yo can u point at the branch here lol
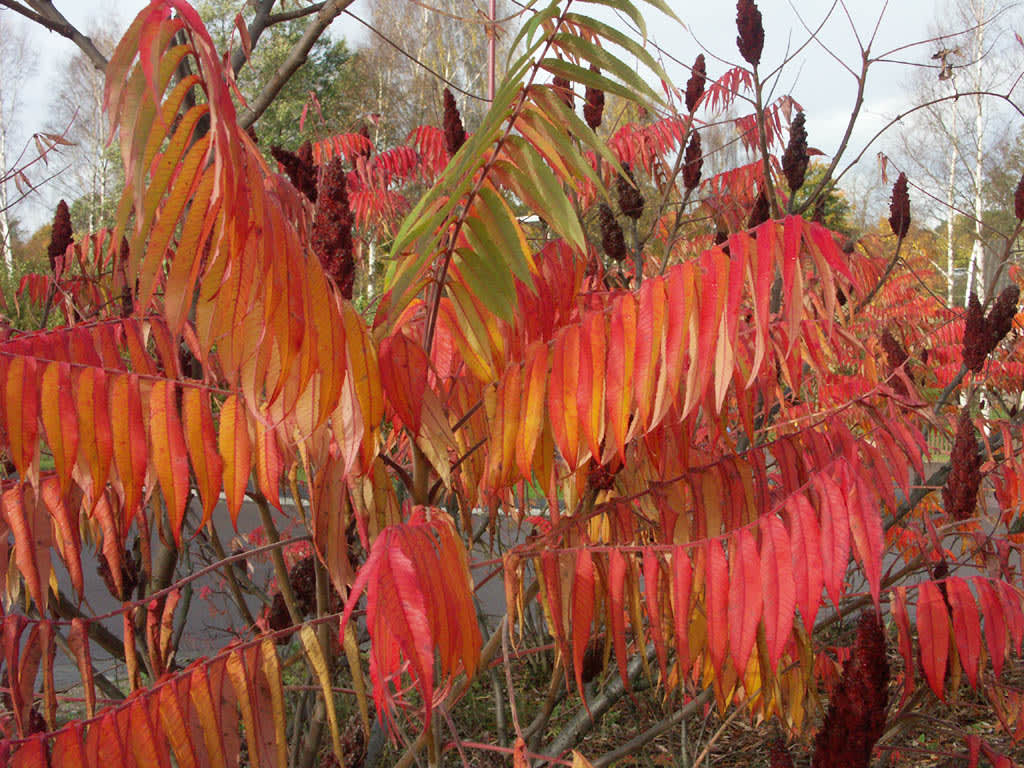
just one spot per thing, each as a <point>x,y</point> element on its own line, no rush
<point>256,27</point>
<point>295,59</point>
<point>46,15</point>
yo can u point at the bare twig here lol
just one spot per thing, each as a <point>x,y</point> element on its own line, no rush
<point>43,13</point>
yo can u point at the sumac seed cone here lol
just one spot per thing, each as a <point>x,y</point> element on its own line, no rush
<point>278,617</point>
<point>454,133</point>
<point>302,577</point>
<point>899,207</point>
<point>894,352</point>
<point>299,168</point>
<point>1018,199</point>
<point>960,494</point>
<point>778,755</point>
<point>750,39</point>
<point>795,158</point>
<point>694,158</point>
<point>61,236</point>
<point>563,89</point>
<point>761,211</point>
<point>1000,318</point>
<point>975,339</point>
<point>331,239</point>
<point>612,240</point>
<point>631,201</point>
<point>695,85</point>
<point>593,107</point>
<point>856,714</point>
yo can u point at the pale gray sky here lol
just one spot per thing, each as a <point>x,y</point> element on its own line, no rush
<point>817,81</point>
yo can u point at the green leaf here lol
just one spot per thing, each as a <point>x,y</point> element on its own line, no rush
<point>622,40</point>
<point>484,273</point>
<point>498,220</point>
<point>583,75</point>
<point>539,187</point>
<point>560,114</point>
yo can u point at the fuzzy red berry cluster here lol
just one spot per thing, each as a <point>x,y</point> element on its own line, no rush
<point>299,168</point>
<point>960,494</point>
<point>856,714</point>
<point>454,132</point>
<point>795,158</point>
<point>61,236</point>
<point>695,85</point>
<point>332,228</point>
<point>982,334</point>
<point>899,207</point>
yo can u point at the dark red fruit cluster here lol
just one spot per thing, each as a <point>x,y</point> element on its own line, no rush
<point>612,240</point>
<point>761,211</point>
<point>563,89</point>
<point>61,236</point>
<point>899,207</point>
<point>593,107</point>
<point>778,755</point>
<point>299,168</point>
<point>795,158</point>
<point>983,334</point>
<point>960,494</point>
<point>694,158</point>
<point>631,201</point>
<point>454,133</point>
<point>894,351</point>
<point>302,577</point>
<point>856,715</point>
<point>129,575</point>
<point>695,85</point>
<point>332,229</point>
<point>751,31</point>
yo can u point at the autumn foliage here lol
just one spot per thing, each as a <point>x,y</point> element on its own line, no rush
<point>715,464</point>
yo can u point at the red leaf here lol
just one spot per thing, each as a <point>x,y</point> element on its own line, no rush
<point>682,579</point>
<point>744,598</point>
<point>866,530</point>
<point>933,634</point>
<point>778,587</point>
<point>23,525</point>
<point>617,610</point>
<point>716,603</point>
<point>906,644</point>
<point>78,640</point>
<point>652,599</point>
<point>835,537</point>
<point>806,557</point>
<point>403,370</point>
<point>621,362</point>
<point>966,626</point>
<point>995,624</point>
<point>582,612</point>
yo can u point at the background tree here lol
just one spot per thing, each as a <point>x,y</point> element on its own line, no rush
<point>16,63</point>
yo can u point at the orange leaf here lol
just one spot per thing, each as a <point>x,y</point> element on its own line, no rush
<point>95,438</point>
<point>233,446</point>
<point>60,421</point>
<point>202,448</point>
<point>169,455</point>
<point>129,436</point>
<point>21,395</point>
<point>403,371</point>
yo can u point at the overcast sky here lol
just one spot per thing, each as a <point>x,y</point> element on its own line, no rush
<point>816,80</point>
